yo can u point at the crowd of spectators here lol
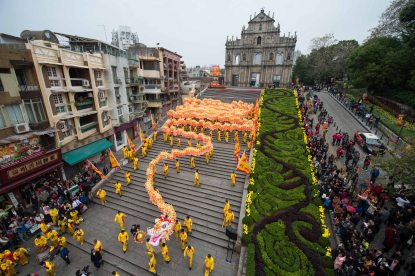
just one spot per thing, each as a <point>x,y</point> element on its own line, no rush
<point>22,222</point>
<point>362,210</point>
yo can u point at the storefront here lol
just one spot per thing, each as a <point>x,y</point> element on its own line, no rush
<point>74,159</point>
<point>121,132</point>
<point>19,177</point>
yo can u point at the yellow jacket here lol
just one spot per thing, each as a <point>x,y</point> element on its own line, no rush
<point>177,227</point>
<point>183,236</point>
<point>123,237</point>
<point>188,222</point>
<point>41,241</point>
<point>189,252</point>
<point>53,212</point>
<point>120,217</point>
<point>209,263</point>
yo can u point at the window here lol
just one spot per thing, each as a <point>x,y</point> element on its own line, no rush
<point>102,98</point>
<point>15,114</point>
<point>131,108</point>
<point>105,119</point>
<point>118,138</point>
<point>260,26</point>
<point>280,59</point>
<point>66,128</point>
<point>35,111</point>
<point>114,72</point>
<point>125,73</point>
<point>243,57</point>
<point>271,56</point>
<point>258,41</point>
<point>60,103</point>
<point>1,86</point>
<point>229,57</point>
<point>257,59</point>
<point>288,56</point>
<point>236,60</point>
<point>98,78</point>
<point>119,110</point>
<point>53,76</point>
<point>51,72</point>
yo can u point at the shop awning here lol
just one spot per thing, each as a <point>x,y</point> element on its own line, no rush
<point>80,154</point>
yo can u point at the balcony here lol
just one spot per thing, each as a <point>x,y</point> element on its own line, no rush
<point>151,74</point>
<point>85,104</point>
<point>136,98</point>
<point>88,126</point>
<point>28,88</point>
<point>136,114</point>
<point>127,80</point>
<point>136,80</point>
<point>154,103</point>
<point>152,88</point>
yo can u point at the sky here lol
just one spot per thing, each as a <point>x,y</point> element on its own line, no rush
<point>196,29</point>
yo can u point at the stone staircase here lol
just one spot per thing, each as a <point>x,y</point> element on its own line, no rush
<point>204,204</point>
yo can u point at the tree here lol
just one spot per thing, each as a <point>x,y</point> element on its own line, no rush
<point>381,63</point>
<point>322,42</point>
<point>301,70</point>
<point>390,23</point>
<point>400,169</point>
<point>326,60</point>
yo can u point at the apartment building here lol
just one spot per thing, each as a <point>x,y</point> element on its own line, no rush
<point>123,89</point>
<point>171,78</point>
<point>74,88</point>
<point>124,38</point>
<point>160,79</point>
<point>27,144</point>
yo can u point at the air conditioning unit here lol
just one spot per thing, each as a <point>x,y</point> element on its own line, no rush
<point>21,128</point>
<point>85,83</point>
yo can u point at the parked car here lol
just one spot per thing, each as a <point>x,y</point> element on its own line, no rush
<point>370,143</point>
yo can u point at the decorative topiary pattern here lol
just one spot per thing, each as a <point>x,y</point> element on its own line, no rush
<point>283,222</point>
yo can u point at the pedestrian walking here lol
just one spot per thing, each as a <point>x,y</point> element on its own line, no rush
<point>177,228</point>
<point>233,178</point>
<point>209,264</point>
<point>165,252</point>
<point>127,178</point>
<point>165,170</point>
<point>79,235</point>
<point>64,254</point>
<point>189,251</point>
<point>120,219</point>
<point>188,223</point>
<point>96,258</point>
<point>50,268</point>
<point>196,179</point>
<point>183,238</point>
<point>123,239</point>
<point>192,162</point>
<point>102,195</point>
<point>177,164</point>
<point>98,246</point>
<point>118,188</point>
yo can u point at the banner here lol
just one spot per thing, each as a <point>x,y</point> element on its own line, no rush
<point>91,166</point>
<point>131,144</point>
<point>113,161</point>
<point>243,164</point>
<point>237,149</point>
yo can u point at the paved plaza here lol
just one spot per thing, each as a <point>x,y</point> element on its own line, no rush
<point>204,204</point>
